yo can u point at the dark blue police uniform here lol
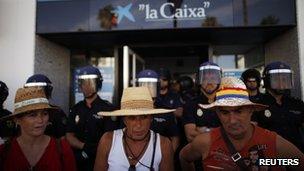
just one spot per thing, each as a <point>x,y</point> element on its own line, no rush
<point>198,116</point>
<point>285,119</point>
<point>258,97</point>
<point>57,123</point>
<point>187,96</point>
<point>166,124</point>
<point>88,127</point>
<point>8,127</point>
<point>86,124</point>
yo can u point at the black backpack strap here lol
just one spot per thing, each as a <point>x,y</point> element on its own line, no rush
<point>59,150</point>
<point>153,154</point>
<point>235,155</point>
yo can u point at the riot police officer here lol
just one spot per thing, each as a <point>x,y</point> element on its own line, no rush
<point>167,98</point>
<point>285,114</point>
<point>186,91</point>
<point>57,118</point>
<point>187,94</point>
<point>85,127</point>
<point>197,120</point>
<point>252,80</point>
<point>165,124</point>
<point>7,128</point>
<point>148,78</point>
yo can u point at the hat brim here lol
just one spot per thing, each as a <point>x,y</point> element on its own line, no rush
<point>135,112</point>
<point>29,109</point>
<point>232,102</point>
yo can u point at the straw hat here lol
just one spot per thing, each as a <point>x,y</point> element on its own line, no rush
<point>29,99</point>
<point>136,101</point>
<point>231,93</point>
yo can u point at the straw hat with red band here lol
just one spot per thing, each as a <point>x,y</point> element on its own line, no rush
<point>231,93</point>
<point>136,101</point>
<point>29,99</point>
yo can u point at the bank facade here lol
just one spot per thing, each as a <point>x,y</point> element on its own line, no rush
<point>123,37</point>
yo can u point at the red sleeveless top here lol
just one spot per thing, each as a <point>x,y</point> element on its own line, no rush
<point>261,145</point>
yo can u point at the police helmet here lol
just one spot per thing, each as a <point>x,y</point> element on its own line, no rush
<point>92,74</point>
<point>209,74</point>
<point>3,92</point>
<point>186,83</point>
<point>251,73</point>
<point>40,80</point>
<point>148,78</point>
<point>278,76</point>
<point>165,74</point>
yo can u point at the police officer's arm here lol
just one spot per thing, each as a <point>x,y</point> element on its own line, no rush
<point>178,112</point>
<point>178,105</point>
<point>74,141</point>
<point>189,120</point>
<point>191,131</point>
<point>198,148</point>
<point>172,130</point>
<point>166,162</point>
<point>103,150</point>
<point>70,134</point>
<point>285,149</point>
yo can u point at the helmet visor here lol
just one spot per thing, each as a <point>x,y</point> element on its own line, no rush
<point>209,76</point>
<point>48,88</point>
<point>88,84</point>
<point>281,79</point>
<point>151,83</point>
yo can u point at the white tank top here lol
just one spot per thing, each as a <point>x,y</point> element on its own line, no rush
<point>118,160</point>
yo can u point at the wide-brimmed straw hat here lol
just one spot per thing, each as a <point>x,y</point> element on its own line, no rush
<point>232,93</point>
<point>29,99</point>
<point>136,101</point>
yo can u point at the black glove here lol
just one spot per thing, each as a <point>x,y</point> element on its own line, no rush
<point>89,150</point>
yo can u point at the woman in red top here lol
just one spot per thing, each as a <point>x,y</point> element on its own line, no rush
<point>32,149</point>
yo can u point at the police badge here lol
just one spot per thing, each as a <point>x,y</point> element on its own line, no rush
<point>77,119</point>
<point>267,113</point>
<point>199,112</point>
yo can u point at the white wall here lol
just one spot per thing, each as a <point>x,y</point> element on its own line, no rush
<point>53,60</point>
<point>17,35</point>
<point>300,19</point>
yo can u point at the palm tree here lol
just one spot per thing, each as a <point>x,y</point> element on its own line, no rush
<point>177,4</point>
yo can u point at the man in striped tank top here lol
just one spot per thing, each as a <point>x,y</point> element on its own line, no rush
<point>238,144</point>
<point>135,147</point>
